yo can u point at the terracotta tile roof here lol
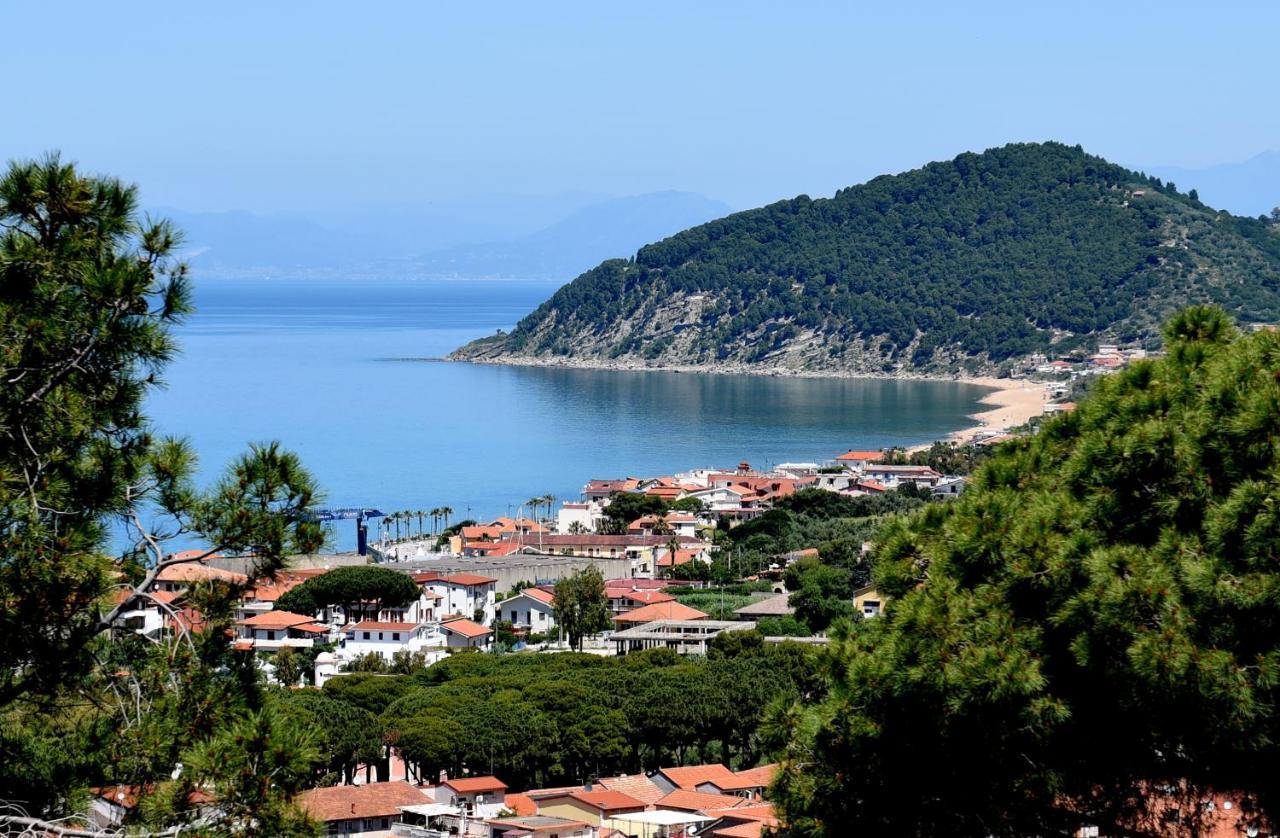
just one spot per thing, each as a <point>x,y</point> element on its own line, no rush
<point>866,456</point>
<point>552,791</point>
<point>760,776</point>
<point>468,580</point>
<point>591,540</point>
<point>276,619</point>
<point>681,557</point>
<point>188,619</point>
<point>746,829</point>
<point>521,804</point>
<point>196,572</point>
<point>757,810</point>
<point>469,785</point>
<point>634,785</point>
<point>370,625</point>
<point>646,597</point>
<point>371,800</point>
<point>696,801</point>
<point>271,591</point>
<point>606,800</point>
<point>691,776</point>
<point>660,611</point>
<point>466,628</point>
<point>545,597</point>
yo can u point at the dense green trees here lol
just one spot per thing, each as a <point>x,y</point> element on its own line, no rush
<point>1094,620</point>
<point>88,296</point>
<point>538,720</point>
<point>356,590</point>
<point>987,256</point>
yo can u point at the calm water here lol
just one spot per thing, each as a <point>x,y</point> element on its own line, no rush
<point>335,371</point>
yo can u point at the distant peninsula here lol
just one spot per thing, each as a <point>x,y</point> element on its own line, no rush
<point>956,268</point>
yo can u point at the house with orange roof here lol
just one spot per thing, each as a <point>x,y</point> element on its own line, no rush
<point>603,489</point>
<point>858,460</point>
<point>273,630</point>
<point>894,476</point>
<point>671,610</point>
<point>532,609</point>
<point>594,806</point>
<point>462,594</point>
<point>638,786</point>
<point>715,778</point>
<point>677,523</point>
<point>461,633</point>
<point>624,599</point>
<point>702,803</point>
<point>479,797</point>
<point>365,811</point>
<point>178,577</point>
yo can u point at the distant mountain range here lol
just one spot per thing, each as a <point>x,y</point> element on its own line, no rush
<point>1248,188</point>
<point>611,229</point>
<point>540,237</point>
<point>957,266</point>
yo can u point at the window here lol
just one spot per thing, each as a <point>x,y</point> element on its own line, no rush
<point>379,635</point>
<point>366,635</point>
<point>271,635</point>
<point>395,635</point>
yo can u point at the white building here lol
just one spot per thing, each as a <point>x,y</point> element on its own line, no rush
<point>480,797</point>
<point>386,638</point>
<point>466,634</point>
<point>532,609</point>
<point>585,514</point>
<point>273,630</point>
<point>461,594</point>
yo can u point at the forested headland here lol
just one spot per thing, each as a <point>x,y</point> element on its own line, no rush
<point>955,267</point>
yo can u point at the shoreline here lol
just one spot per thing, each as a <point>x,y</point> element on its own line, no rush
<point>1012,402</point>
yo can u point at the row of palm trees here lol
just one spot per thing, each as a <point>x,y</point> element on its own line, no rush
<point>400,526</point>
<point>392,523</point>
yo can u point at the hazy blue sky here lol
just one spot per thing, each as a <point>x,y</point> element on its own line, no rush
<point>276,106</point>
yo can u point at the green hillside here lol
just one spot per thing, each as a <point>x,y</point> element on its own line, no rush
<point>957,265</point>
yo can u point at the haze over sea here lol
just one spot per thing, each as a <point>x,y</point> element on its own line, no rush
<point>336,371</point>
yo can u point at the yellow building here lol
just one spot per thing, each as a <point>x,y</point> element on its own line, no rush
<point>868,601</point>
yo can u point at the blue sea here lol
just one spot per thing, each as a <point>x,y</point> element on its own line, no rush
<point>346,373</point>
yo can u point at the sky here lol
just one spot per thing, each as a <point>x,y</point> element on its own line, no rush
<point>298,106</point>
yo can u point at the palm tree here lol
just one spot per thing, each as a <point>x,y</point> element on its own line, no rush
<point>435,520</point>
<point>445,512</point>
<point>420,515</point>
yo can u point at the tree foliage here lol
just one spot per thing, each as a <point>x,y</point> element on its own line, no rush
<point>351,588</point>
<point>954,265</point>
<point>89,293</point>
<point>1093,624</point>
<point>581,605</point>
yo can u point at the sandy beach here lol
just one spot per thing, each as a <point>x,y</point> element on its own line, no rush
<point>1013,403</point>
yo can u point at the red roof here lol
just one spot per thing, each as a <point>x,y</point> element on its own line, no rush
<point>276,619</point>
<point>660,611</point>
<point>760,776</point>
<point>521,804</point>
<point>691,776</point>
<point>545,597</point>
<point>646,597</point>
<point>468,580</point>
<point>865,456</point>
<point>469,785</point>
<point>604,799</point>
<point>196,572</point>
<point>466,628</point>
<point>613,540</point>
<point>371,800</point>
<point>637,786</point>
<point>696,801</point>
